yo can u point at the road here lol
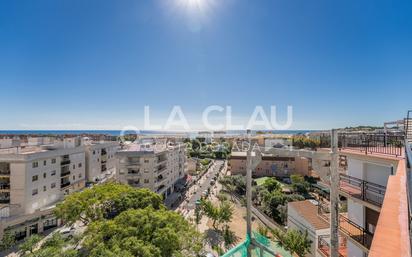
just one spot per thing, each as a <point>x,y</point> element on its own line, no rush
<point>195,192</point>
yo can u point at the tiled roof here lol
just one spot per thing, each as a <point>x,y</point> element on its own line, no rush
<point>308,211</point>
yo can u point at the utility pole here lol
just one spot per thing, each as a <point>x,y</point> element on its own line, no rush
<point>334,196</point>
<point>249,191</point>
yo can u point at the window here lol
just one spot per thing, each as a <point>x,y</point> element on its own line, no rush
<point>34,192</point>
<point>44,188</point>
<point>146,181</point>
<point>44,175</point>
<point>44,163</point>
<point>53,172</point>
<point>35,178</point>
<point>146,161</point>
<point>80,175</point>
<point>53,161</point>
<point>35,164</point>
<point>79,165</point>
<point>74,177</point>
<point>53,185</point>
<point>74,166</point>
<point>94,152</point>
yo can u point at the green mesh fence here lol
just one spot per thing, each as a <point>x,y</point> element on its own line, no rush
<point>241,249</point>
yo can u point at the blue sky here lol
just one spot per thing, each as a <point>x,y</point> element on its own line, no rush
<point>75,64</point>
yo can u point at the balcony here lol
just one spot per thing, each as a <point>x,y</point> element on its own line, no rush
<point>347,226</point>
<point>160,188</point>
<point>65,185</point>
<point>160,179</point>
<point>5,187</point>
<point>363,190</point>
<point>5,173</point>
<point>4,198</point>
<point>324,247</point>
<point>161,159</point>
<point>64,162</point>
<point>161,168</point>
<point>65,173</point>
<point>372,143</point>
<point>355,231</point>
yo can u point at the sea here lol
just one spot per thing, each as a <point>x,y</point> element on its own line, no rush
<point>140,132</point>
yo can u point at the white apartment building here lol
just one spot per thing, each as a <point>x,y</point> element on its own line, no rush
<point>157,166</point>
<point>367,164</point>
<point>32,180</point>
<point>364,185</point>
<point>100,161</point>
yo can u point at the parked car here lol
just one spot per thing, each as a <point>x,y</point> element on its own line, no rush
<point>67,232</point>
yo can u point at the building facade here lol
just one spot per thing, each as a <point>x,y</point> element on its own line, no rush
<point>273,166</point>
<point>155,166</point>
<point>32,181</point>
<point>100,161</point>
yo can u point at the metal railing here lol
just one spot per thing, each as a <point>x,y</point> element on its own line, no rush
<point>408,126</point>
<point>408,150</point>
<point>324,246</point>
<point>363,190</point>
<point>381,143</point>
<point>64,185</point>
<point>356,232</point>
<point>4,186</point>
<point>64,173</point>
<point>64,162</point>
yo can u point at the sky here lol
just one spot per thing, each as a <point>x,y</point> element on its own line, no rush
<point>95,64</point>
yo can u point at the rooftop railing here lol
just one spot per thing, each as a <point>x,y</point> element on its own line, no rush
<point>381,143</point>
<point>363,190</point>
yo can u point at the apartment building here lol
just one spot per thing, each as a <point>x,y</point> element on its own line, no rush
<point>100,161</point>
<point>270,165</point>
<point>32,180</point>
<point>157,166</point>
<point>371,161</point>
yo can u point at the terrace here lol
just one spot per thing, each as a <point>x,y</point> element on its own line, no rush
<point>348,227</point>
<point>361,189</point>
<point>373,143</point>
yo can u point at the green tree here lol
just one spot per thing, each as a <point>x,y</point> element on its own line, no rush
<point>105,201</point>
<point>29,245</point>
<point>299,184</point>
<point>218,214</point>
<point>144,232</point>
<point>293,241</point>
<point>271,184</point>
<point>7,241</point>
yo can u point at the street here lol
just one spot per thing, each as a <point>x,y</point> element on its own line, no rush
<point>195,192</point>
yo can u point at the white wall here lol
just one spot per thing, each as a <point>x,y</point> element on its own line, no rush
<point>377,173</point>
<point>353,250</point>
<point>355,168</point>
<point>356,212</point>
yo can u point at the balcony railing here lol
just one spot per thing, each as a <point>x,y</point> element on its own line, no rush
<point>4,186</point>
<point>381,143</point>
<point>64,162</point>
<point>161,169</point>
<point>64,185</point>
<point>355,231</point>
<point>324,247</point>
<point>4,172</point>
<point>64,173</point>
<point>363,190</point>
